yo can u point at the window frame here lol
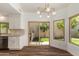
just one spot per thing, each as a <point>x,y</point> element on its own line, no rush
<point>63,31</point>
<point>6,24</point>
<point>69,29</point>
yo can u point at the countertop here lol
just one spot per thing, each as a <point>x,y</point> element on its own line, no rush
<point>13,33</point>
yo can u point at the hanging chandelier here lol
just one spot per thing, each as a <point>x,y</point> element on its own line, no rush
<point>49,11</point>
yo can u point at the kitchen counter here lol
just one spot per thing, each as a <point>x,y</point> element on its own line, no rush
<point>13,33</point>
<point>10,35</point>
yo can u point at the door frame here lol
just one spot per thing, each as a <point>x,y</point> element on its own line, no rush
<point>38,22</point>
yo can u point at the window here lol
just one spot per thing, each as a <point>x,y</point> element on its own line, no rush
<point>74,30</point>
<point>58,29</point>
<point>4,27</point>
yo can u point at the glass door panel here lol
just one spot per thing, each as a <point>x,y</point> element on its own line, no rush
<point>44,33</point>
<point>34,33</point>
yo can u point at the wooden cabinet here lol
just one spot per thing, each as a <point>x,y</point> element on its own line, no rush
<point>3,42</point>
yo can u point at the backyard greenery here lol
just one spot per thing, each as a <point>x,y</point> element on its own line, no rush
<point>73,23</point>
<point>75,41</point>
<point>44,39</point>
<point>60,24</point>
<point>44,27</point>
<point>3,25</point>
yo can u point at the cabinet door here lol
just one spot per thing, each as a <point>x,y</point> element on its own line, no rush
<point>3,42</point>
<point>0,42</point>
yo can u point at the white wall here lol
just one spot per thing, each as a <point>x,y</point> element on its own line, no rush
<point>4,20</point>
<point>23,39</point>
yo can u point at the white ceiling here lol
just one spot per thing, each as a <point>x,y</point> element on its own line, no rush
<point>6,9</point>
<point>32,7</point>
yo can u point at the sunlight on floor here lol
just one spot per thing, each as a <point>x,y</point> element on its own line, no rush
<point>43,41</point>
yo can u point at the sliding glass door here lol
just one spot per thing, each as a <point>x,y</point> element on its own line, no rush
<point>44,33</point>
<point>38,33</point>
<point>33,33</point>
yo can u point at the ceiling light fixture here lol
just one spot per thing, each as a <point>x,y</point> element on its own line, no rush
<point>54,13</point>
<point>46,10</point>
<point>48,16</point>
<point>2,18</point>
<point>38,12</point>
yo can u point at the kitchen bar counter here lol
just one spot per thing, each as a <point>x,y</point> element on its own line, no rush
<point>13,33</point>
<point>5,43</point>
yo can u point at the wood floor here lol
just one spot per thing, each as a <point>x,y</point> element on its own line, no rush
<point>35,51</point>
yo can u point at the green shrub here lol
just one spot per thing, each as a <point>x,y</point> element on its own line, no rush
<point>44,27</point>
<point>73,23</point>
<point>60,24</point>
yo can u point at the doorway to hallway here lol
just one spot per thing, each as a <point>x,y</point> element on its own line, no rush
<point>39,33</point>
